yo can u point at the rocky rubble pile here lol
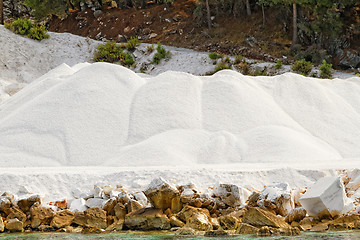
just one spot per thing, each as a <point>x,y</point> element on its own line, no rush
<point>222,210</point>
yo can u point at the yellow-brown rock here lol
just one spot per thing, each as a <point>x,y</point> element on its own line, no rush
<point>175,222</point>
<point>62,219</point>
<point>2,225</point>
<point>296,214</point>
<point>228,222</point>
<point>16,213</point>
<point>26,203</point>
<point>109,206</point>
<point>258,217</point>
<point>120,211</point>
<point>41,216</point>
<point>133,205</point>
<point>305,224</point>
<point>147,219</point>
<point>116,226</point>
<point>245,228</point>
<point>14,225</point>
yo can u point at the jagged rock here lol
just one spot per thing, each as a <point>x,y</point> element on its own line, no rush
<point>70,229</point>
<point>345,222</point>
<point>78,205</point>
<point>120,211</point>
<point>147,219</point>
<point>228,222</point>
<point>297,214</point>
<point>215,223</point>
<point>258,217</point>
<point>95,218</point>
<point>188,211</point>
<point>95,203</point>
<point>109,206</point>
<point>186,231</point>
<point>253,199</point>
<point>62,219</point>
<point>61,204</point>
<point>326,197</point>
<point>264,231</point>
<point>116,226</point>
<point>245,228</point>
<point>161,194</point>
<point>14,225</point>
<point>141,198</point>
<point>216,233</point>
<point>348,58</point>
<point>2,225</point>
<point>5,203</point>
<point>278,198</point>
<point>319,228</point>
<point>305,224</point>
<point>27,201</point>
<point>15,213</point>
<point>229,194</point>
<point>133,205</point>
<point>41,216</point>
<point>199,221</point>
<point>175,222</point>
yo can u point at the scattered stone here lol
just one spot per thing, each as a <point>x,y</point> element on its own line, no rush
<point>229,194</point>
<point>62,219</point>
<point>41,216</point>
<point>264,231</point>
<point>175,222</point>
<point>186,231</point>
<point>2,225</point>
<point>305,224</point>
<point>216,233</point>
<point>326,197</point>
<point>116,226</point>
<point>259,217</point>
<point>278,198</point>
<point>228,222</point>
<point>95,218</point>
<point>26,202</point>
<point>61,204</point>
<point>199,221</point>
<point>215,223</point>
<point>161,194</point>
<point>95,203</point>
<point>296,214</point>
<point>147,219</point>
<point>70,229</point>
<point>120,211</point>
<point>15,213</point>
<point>97,13</point>
<point>319,228</point>
<point>245,228</point>
<point>14,225</point>
<point>78,205</point>
<point>133,205</point>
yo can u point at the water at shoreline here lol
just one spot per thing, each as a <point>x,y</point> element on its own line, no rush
<point>345,235</point>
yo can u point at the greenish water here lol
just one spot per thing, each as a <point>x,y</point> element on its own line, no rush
<point>49,236</point>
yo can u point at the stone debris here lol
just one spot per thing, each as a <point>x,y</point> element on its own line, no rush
<point>188,211</point>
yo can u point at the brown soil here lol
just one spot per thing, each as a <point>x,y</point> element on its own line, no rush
<point>178,27</point>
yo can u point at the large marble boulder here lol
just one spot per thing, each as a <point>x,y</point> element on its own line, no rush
<point>228,194</point>
<point>326,197</point>
<point>258,217</point>
<point>196,218</point>
<point>62,219</point>
<point>40,216</point>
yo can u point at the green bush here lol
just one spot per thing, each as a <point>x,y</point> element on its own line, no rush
<point>259,73</point>
<point>239,59</point>
<point>132,43</point>
<point>161,53</point>
<point>129,61</point>
<point>214,56</point>
<point>326,70</point>
<point>150,49</point>
<point>21,26</point>
<point>221,66</point>
<point>109,52</point>
<point>278,64</point>
<point>303,67</point>
<point>38,32</point>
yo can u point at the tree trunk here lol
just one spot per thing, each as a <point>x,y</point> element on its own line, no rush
<point>1,12</point>
<point>295,32</point>
<point>208,13</point>
<point>248,9</point>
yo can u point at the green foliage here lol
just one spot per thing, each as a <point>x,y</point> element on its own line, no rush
<point>150,49</point>
<point>239,59</point>
<point>221,66</point>
<point>214,56</point>
<point>109,52</point>
<point>303,67</point>
<point>326,70</point>
<point>21,26</point>
<point>129,61</point>
<point>132,43</point>
<point>38,32</point>
<point>161,53</point>
<point>278,64</point>
<point>41,9</point>
<point>259,73</point>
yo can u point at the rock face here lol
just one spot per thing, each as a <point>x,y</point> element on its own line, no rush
<point>26,202</point>
<point>229,194</point>
<point>348,58</point>
<point>62,219</point>
<point>147,219</point>
<point>14,225</point>
<point>15,213</point>
<point>278,198</point>
<point>258,217</point>
<point>14,9</point>
<point>162,195</point>
<point>95,218</point>
<point>326,197</point>
<point>296,215</point>
<point>196,218</point>
<point>41,216</point>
